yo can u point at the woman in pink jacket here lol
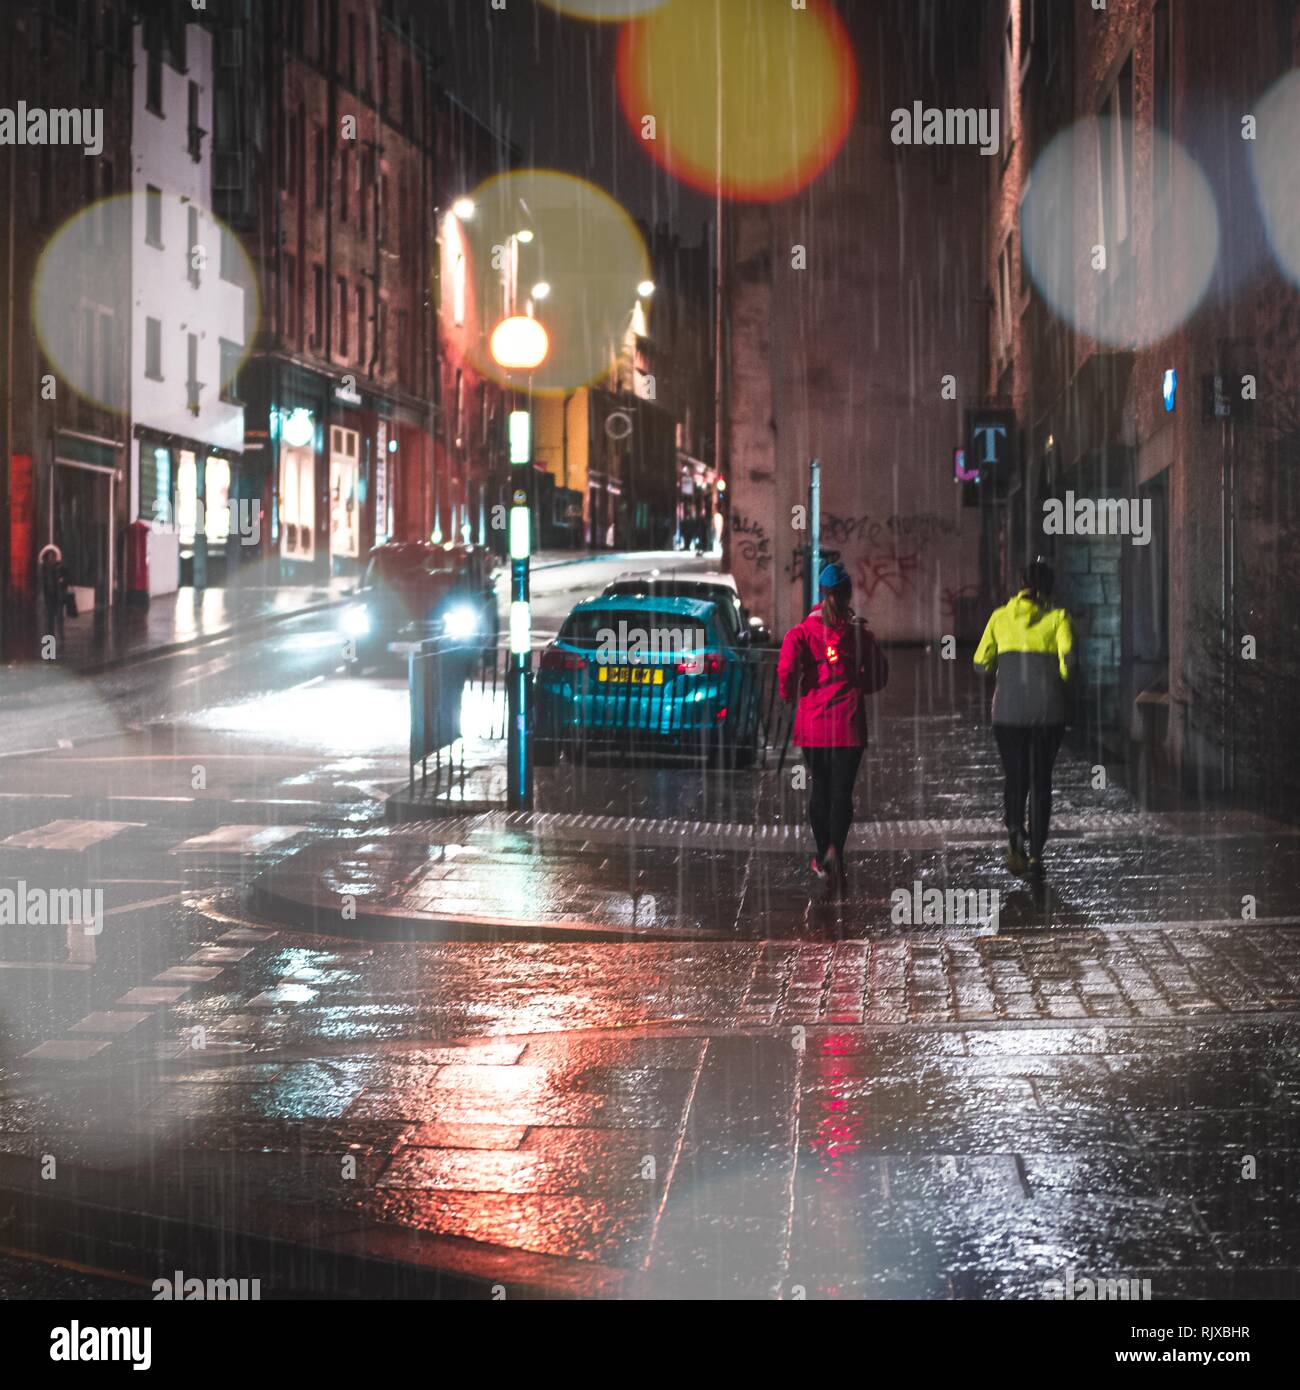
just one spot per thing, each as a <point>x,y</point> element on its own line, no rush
<point>832,661</point>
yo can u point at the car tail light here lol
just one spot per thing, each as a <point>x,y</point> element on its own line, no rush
<point>711,664</point>
<point>715,663</point>
<point>692,666</point>
<point>553,659</point>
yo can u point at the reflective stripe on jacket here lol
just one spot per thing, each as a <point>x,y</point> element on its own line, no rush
<point>835,668</point>
<point>1031,649</point>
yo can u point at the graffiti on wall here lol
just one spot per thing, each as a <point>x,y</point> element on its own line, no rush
<point>752,542</point>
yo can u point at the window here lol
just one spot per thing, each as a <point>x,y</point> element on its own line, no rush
<point>352,51</point>
<point>1115,173</point>
<point>383,75</point>
<point>1008,91</point>
<point>193,249</point>
<point>291,326</point>
<point>193,386</point>
<point>318,306</point>
<point>153,77</point>
<point>319,142</point>
<point>194,131</point>
<point>322,9</point>
<point>363,191</point>
<point>362,326</point>
<point>230,268</point>
<point>153,349</point>
<point>408,97</point>
<point>403,345</point>
<point>345,173</point>
<point>108,358</point>
<point>383,337</point>
<point>383,210</point>
<point>365,61</point>
<point>292,140</point>
<point>1162,97</point>
<point>157,498</point>
<point>231,356</point>
<point>344,307</point>
<point>153,216</point>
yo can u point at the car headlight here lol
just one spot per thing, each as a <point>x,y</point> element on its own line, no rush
<point>356,621</point>
<point>460,622</point>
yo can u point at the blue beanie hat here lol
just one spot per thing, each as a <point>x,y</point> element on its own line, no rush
<point>833,576</point>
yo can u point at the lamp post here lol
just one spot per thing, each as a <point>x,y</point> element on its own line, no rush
<point>520,343</point>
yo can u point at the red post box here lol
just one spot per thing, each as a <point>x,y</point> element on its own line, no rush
<point>137,564</point>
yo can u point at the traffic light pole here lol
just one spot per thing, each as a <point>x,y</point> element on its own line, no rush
<point>813,562</point>
<point>519,783</point>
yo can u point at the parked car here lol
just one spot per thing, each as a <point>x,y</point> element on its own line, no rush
<point>651,673</point>
<point>412,591</point>
<point>721,588</point>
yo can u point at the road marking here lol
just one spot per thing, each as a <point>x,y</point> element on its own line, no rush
<point>153,994</point>
<point>147,902</point>
<point>151,798</point>
<point>67,1050</point>
<point>70,834</point>
<point>42,965</point>
<point>242,839</point>
<point>110,1022</point>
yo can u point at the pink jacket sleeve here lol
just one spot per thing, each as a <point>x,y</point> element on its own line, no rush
<point>790,662</point>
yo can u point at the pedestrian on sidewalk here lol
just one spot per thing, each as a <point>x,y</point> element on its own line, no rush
<point>53,578</point>
<point>831,662</point>
<point>1029,645</point>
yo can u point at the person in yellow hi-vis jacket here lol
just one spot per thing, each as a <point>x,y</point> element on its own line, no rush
<point>1029,645</point>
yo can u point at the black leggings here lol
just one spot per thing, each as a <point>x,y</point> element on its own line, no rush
<point>1028,752</point>
<point>833,772</point>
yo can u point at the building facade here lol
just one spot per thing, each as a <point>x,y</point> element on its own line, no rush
<point>187,323</point>
<point>851,336</point>
<point>65,250</point>
<point>324,154</point>
<point>1161,377</point>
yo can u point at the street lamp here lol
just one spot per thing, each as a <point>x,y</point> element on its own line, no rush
<point>520,343</point>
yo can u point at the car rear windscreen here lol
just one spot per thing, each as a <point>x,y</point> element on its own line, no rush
<point>642,632</point>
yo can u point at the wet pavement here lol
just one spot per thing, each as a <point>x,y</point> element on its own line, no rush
<point>659,1066</point>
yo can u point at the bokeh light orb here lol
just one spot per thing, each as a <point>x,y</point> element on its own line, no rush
<point>584,247</point>
<point>519,344</point>
<point>1275,163</point>
<point>603,11</point>
<point>748,97</point>
<point>1108,294</point>
<point>81,303</point>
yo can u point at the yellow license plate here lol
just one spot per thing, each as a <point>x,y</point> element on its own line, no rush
<point>630,675</point>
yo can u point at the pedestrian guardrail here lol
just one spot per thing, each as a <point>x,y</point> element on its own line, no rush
<point>458,693</point>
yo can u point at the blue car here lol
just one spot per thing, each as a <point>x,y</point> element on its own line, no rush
<point>646,673</point>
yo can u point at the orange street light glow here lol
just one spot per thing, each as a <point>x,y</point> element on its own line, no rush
<point>754,100</point>
<point>519,344</point>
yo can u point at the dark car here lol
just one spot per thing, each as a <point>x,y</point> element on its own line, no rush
<point>717,588</point>
<point>630,671</point>
<point>412,591</point>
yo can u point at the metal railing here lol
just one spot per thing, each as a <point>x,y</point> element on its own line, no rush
<point>458,693</point>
